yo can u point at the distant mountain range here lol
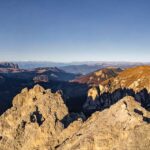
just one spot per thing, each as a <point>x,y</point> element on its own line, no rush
<point>8,65</point>
<point>78,67</point>
<point>37,64</point>
<point>89,67</point>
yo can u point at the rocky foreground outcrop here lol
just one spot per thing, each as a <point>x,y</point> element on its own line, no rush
<point>39,120</point>
<point>34,121</point>
<point>125,126</point>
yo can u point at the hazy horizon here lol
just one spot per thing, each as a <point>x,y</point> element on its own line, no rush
<point>73,62</point>
<point>75,31</point>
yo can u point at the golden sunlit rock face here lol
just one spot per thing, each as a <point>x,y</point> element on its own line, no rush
<point>132,82</point>
<point>136,78</point>
<point>98,76</point>
<point>93,93</point>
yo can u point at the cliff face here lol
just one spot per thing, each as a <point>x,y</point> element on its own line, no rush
<point>34,121</point>
<point>132,82</point>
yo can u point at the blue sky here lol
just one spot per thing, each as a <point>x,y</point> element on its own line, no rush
<point>75,30</point>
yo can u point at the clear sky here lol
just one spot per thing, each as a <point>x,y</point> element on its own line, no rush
<point>75,30</point>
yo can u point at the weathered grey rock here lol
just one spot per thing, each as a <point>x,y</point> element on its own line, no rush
<point>124,126</point>
<point>41,78</point>
<point>34,121</point>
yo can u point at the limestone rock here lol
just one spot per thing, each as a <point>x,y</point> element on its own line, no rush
<point>124,126</point>
<point>34,121</point>
<point>39,120</point>
<point>93,93</point>
<point>41,78</point>
<point>92,101</point>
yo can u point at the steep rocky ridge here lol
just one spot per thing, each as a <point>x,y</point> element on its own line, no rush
<point>124,126</point>
<point>35,121</point>
<point>133,82</point>
<point>136,78</point>
<point>96,77</point>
